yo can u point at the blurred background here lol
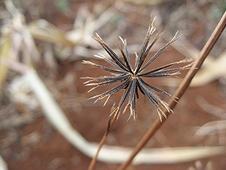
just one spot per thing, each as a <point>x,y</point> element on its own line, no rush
<point>42,44</point>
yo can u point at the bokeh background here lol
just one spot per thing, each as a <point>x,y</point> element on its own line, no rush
<point>53,37</point>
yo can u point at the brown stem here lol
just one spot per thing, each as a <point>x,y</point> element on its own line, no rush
<point>112,118</point>
<point>92,163</point>
<point>181,89</point>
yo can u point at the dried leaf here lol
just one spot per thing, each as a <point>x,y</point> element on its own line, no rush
<point>44,31</point>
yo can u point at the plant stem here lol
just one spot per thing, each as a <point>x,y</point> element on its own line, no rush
<point>181,89</point>
<point>111,121</point>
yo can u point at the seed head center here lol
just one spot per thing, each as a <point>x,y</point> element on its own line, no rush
<point>134,76</point>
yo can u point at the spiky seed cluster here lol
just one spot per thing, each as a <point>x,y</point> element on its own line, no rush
<point>130,78</point>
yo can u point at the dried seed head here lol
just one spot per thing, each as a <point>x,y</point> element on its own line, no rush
<point>130,78</point>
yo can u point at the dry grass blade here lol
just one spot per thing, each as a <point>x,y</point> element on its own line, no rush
<point>4,54</point>
<point>211,127</point>
<point>181,89</point>
<point>216,69</point>
<point>43,30</point>
<point>3,164</point>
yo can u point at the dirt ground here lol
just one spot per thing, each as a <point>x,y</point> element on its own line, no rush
<point>36,145</point>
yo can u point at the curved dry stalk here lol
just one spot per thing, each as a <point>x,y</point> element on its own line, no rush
<point>180,90</point>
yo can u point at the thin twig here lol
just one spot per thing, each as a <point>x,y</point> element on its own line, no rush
<point>181,89</point>
<point>94,159</point>
<point>111,121</point>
